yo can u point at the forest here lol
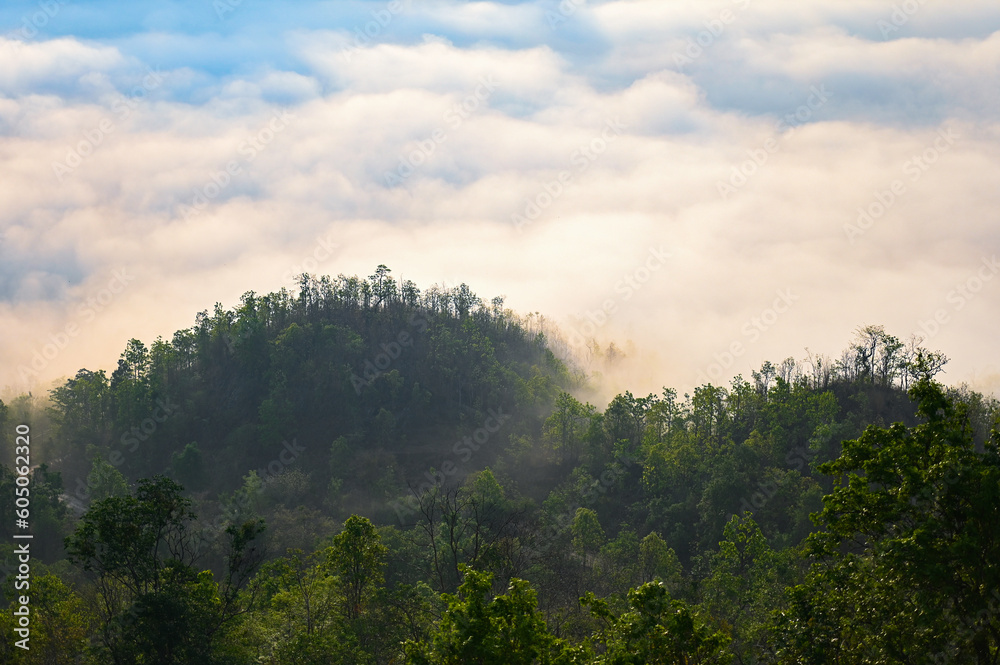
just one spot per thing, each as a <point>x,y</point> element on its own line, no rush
<point>364,471</point>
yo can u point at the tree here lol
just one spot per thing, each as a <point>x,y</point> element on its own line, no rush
<point>475,629</point>
<point>298,622</point>
<point>566,428</point>
<point>620,559</point>
<point>655,630</point>
<point>189,466</point>
<point>625,418</point>
<point>383,287</point>
<point>81,409</point>
<point>154,606</point>
<point>743,590</point>
<point>358,557</point>
<point>60,623</point>
<point>130,384</point>
<point>708,415</point>
<point>663,417</point>
<point>104,480</point>
<point>588,536</point>
<point>906,566</point>
<point>658,562</point>
<point>470,526</point>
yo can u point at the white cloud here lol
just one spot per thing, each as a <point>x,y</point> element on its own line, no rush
<point>652,182</point>
<point>29,65</point>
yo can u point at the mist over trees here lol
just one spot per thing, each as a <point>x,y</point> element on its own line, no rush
<point>367,472</point>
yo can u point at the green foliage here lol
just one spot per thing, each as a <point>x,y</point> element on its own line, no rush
<point>128,540</point>
<point>566,429</point>
<point>299,619</point>
<point>906,565</point>
<point>357,556</point>
<point>60,624</point>
<point>83,409</point>
<point>332,605</point>
<point>588,536</point>
<point>506,629</point>
<point>189,466</point>
<point>743,588</point>
<point>155,607</point>
<point>369,397</point>
<point>658,562</point>
<point>656,629</point>
<point>487,489</point>
<point>105,481</point>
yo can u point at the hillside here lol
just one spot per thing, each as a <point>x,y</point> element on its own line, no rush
<point>449,423</point>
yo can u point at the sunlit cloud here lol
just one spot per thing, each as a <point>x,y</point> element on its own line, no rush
<point>796,149</point>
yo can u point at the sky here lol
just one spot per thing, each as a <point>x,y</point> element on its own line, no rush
<point>707,184</point>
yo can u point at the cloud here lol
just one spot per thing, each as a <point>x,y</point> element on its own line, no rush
<point>64,65</point>
<point>799,154</point>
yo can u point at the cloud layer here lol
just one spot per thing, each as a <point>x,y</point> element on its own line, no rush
<point>838,164</point>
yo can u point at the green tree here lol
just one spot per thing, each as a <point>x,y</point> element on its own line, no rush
<point>81,409</point>
<point>189,466</point>
<point>567,426</point>
<point>358,557</point>
<point>588,536</point>
<point>743,587</point>
<point>299,618</point>
<point>475,629</point>
<point>907,562</point>
<point>620,566</point>
<point>104,480</point>
<point>154,606</point>
<point>655,630</point>
<point>658,562</point>
<point>60,624</point>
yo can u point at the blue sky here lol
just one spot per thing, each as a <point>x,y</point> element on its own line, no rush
<point>847,151</point>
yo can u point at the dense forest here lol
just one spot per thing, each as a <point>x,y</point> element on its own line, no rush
<point>366,472</point>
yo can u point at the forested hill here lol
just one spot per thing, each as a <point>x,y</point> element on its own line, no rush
<point>450,424</point>
<point>363,382</point>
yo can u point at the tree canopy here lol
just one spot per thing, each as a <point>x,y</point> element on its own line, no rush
<point>367,472</point>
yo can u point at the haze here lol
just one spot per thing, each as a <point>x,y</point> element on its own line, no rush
<point>685,176</point>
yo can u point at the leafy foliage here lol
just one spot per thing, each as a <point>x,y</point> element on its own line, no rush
<point>504,630</point>
<point>437,488</point>
<point>909,549</point>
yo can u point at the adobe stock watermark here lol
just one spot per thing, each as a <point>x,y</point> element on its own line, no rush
<point>966,629</point>
<point>582,158</point>
<point>752,330</point>
<point>464,450</point>
<point>267,474</point>
<point>375,367</point>
<point>381,18</point>
<point>800,458</point>
<point>248,149</point>
<point>758,157</point>
<point>86,312</point>
<point>914,168</point>
<point>958,298</point>
<point>588,497</point>
<point>130,441</point>
<point>224,7</point>
<point>454,117</point>
<point>32,23</point>
<point>564,11</point>
<point>324,250</point>
<point>714,29</point>
<point>93,138</point>
<point>900,16</point>
<point>591,321</point>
